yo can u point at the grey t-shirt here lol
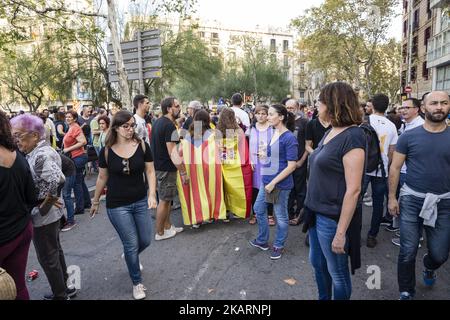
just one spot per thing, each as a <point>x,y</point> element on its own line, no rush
<point>427,159</point>
<point>326,185</point>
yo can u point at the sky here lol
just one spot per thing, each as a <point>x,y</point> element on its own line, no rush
<point>277,13</point>
<point>249,13</point>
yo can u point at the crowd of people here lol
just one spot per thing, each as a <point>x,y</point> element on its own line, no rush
<point>276,165</point>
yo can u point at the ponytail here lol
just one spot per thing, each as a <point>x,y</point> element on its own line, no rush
<point>288,117</point>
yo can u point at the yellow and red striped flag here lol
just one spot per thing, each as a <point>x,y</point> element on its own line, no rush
<point>203,198</point>
<point>237,175</point>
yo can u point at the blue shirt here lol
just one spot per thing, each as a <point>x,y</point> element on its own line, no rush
<point>427,160</point>
<point>279,153</point>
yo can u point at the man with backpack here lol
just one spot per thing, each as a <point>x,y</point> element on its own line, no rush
<point>379,158</point>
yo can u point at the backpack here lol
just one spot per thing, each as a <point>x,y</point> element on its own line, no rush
<point>374,161</point>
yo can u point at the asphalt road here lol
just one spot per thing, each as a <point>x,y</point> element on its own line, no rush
<point>216,262</point>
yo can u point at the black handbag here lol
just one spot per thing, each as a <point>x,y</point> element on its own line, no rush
<point>92,154</point>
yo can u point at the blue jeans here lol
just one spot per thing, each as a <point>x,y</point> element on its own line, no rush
<point>331,269</point>
<point>438,240</point>
<point>134,226</point>
<point>80,190</point>
<point>281,214</point>
<point>379,192</point>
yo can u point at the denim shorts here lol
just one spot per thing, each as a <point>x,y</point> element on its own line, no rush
<point>167,185</point>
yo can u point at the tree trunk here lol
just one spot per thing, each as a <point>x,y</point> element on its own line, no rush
<point>123,80</point>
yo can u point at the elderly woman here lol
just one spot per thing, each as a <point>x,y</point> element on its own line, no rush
<point>16,229</point>
<point>45,165</point>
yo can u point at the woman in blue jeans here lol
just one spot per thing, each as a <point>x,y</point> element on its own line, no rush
<point>336,172</point>
<point>277,182</point>
<point>123,162</point>
<point>73,143</point>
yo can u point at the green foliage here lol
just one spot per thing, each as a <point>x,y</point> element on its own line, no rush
<point>341,37</point>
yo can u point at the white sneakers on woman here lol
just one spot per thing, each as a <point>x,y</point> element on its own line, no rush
<point>139,291</point>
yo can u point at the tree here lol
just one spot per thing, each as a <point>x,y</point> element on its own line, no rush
<point>33,77</point>
<point>385,75</point>
<point>342,36</point>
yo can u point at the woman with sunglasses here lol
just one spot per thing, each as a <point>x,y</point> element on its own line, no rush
<point>123,162</point>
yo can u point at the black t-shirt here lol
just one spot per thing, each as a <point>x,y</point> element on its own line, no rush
<point>315,132</point>
<point>87,128</point>
<point>188,123</point>
<point>326,185</point>
<point>163,131</point>
<point>17,196</point>
<point>125,189</point>
<point>300,133</point>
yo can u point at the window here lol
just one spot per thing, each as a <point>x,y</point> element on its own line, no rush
<point>302,67</point>
<point>403,79</point>
<point>429,12</point>
<point>424,70</point>
<point>273,45</point>
<point>405,28</point>
<point>405,5</point>
<point>302,95</point>
<point>414,46</point>
<point>416,19</point>
<point>443,78</point>
<point>286,61</point>
<point>273,58</point>
<point>427,36</point>
<point>215,50</point>
<point>201,34</point>
<point>413,74</point>
<point>285,45</point>
<point>405,53</point>
<point>215,35</point>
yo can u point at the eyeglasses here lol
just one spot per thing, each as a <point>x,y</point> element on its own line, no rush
<point>19,136</point>
<point>401,108</point>
<point>127,126</point>
<point>126,164</point>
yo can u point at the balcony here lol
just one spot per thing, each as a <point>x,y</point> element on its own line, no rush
<point>439,3</point>
<point>439,49</point>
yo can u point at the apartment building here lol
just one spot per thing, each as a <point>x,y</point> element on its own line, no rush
<point>418,28</point>
<point>438,59</point>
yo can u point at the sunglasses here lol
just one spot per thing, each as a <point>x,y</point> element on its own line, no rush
<point>126,168</point>
<point>128,126</point>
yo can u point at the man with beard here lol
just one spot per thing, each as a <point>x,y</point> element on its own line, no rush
<point>425,195</point>
<point>167,162</point>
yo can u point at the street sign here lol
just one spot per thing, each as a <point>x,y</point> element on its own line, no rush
<point>408,89</point>
<point>142,57</point>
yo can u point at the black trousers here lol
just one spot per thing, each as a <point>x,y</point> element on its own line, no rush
<point>298,193</point>
<point>51,257</point>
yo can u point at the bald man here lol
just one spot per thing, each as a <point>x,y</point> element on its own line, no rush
<point>425,195</point>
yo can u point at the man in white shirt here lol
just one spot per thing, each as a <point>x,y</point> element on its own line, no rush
<point>387,135</point>
<point>241,115</point>
<point>141,108</point>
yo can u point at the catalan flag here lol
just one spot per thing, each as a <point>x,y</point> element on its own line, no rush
<point>203,198</point>
<point>237,175</point>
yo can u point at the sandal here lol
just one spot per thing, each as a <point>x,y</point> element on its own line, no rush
<point>271,221</point>
<point>294,222</point>
<point>252,220</point>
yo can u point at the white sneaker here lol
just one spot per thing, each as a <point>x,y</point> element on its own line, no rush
<point>140,265</point>
<point>177,230</point>
<point>139,291</point>
<point>170,233</point>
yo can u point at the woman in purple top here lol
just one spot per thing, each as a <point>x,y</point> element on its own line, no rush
<point>260,136</point>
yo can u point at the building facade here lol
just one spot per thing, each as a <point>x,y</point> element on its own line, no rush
<point>418,28</point>
<point>438,59</point>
